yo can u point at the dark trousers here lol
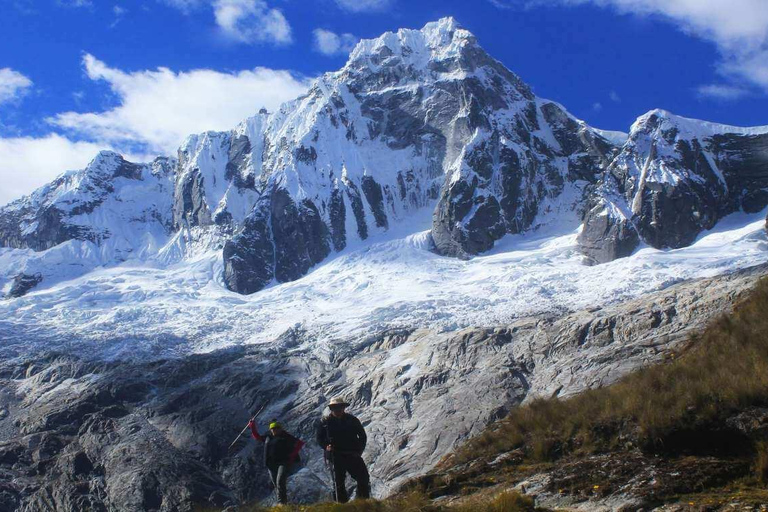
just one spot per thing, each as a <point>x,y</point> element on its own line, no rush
<point>279,474</point>
<point>354,465</point>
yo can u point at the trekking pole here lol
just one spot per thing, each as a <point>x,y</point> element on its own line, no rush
<point>246,427</point>
<point>329,461</point>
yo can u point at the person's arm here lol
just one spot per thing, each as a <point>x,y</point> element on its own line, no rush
<point>322,435</point>
<point>254,432</point>
<point>297,446</point>
<point>361,436</point>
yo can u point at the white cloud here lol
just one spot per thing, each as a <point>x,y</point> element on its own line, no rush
<point>76,3</point>
<point>119,12</point>
<point>330,43</point>
<point>186,6</point>
<point>27,163</point>
<point>364,5</point>
<point>159,108</point>
<point>597,106</point>
<point>614,96</point>
<point>243,21</point>
<point>13,85</point>
<point>722,92</point>
<point>739,28</point>
<point>251,21</point>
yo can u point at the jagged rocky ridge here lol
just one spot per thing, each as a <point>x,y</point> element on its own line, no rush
<point>673,179</point>
<point>416,119</point>
<point>111,199</point>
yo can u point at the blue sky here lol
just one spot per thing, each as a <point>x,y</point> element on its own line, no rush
<point>79,75</point>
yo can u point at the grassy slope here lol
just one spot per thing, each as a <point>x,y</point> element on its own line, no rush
<point>669,408</point>
<point>674,415</point>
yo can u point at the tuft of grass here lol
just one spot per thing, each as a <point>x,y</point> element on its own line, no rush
<point>761,463</point>
<point>411,502</point>
<point>722,370</point>
<point>504,502</point>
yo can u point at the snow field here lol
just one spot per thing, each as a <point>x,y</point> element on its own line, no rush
<point>135,310</point>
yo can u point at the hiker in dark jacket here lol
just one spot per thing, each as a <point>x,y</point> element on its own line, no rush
<point>281,453</point>
<point>343,438</point>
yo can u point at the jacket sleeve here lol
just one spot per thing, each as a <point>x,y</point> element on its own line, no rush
<point>297,446</point>
<point>255,434</point>
<point>322,434</point>
<point>361,436</point>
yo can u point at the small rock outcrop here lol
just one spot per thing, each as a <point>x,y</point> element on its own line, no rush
<point>23,283</point>
<point>607,234</point>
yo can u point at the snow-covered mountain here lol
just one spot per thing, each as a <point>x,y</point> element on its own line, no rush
<point>674,178</point>
<point>416,120</point>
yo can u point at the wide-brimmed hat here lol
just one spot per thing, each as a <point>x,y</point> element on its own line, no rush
<point>338,402</point>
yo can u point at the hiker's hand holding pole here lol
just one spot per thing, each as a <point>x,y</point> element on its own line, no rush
<point>247,426</point>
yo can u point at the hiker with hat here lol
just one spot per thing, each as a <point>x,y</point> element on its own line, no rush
<point>343,438</point>
<point>281,455</point>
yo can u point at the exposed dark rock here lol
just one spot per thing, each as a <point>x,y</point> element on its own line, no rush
<point>129,170</point>
<point>338,216</point>
<point>606,236</point>
<point>249,257</point>
<point>353,194</point>
<point>23,283</point>
<point>189,207</point>
<point>299,234</point>
<point>306,155</point>
<point>373,195</point>
<point>239,153</point>
<point>280,240</point>
<point>447,239</point>
<point>51,229</point>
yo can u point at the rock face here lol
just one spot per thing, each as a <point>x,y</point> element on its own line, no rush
<point>280,240</point>
<point>121,435</point>
<point>673,179</point>
<point>215,182</point>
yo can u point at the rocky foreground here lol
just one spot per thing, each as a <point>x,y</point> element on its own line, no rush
<point>690,433</point>
<point>81,434</point>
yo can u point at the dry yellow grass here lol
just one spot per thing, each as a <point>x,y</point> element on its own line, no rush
<point>723,370</point>
<point>413,502</point>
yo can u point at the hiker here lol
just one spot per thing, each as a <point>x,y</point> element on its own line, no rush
<point>281,455</point>
<point>343,438</point>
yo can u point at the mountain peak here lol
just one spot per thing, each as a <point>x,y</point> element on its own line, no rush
<point>437,40</point>
<point>689,128</point>
<point>443,32</point>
